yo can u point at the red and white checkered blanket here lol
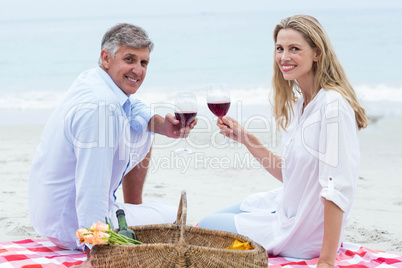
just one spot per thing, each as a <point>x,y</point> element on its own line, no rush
<point>42,253</point>
<point>349,256</point>
<point>37,253</point>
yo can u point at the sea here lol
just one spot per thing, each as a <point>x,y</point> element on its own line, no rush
<point>41,57</point>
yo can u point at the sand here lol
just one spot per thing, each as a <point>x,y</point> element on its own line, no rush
<point>215,177</point>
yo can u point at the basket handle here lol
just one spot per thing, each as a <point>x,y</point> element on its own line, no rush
<point>182,246</point>
<point>182,214</point>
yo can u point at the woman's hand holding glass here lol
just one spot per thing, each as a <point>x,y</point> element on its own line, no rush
<point>218,101</point>
<point>230,128</point>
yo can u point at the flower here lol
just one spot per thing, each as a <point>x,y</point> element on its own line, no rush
<point>100,234</point>
<point>81,233</point>
<point>100,238</point>
<point>100,227</point>
<point>88,239</point>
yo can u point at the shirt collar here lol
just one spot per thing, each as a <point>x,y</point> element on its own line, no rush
<point>121,96</point>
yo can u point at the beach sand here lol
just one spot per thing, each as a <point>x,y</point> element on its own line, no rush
<point>216,177</point>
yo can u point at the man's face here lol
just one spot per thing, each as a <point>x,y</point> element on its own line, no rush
<point>127,68</point>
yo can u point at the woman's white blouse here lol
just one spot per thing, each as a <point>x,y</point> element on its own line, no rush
<point>320,159</point>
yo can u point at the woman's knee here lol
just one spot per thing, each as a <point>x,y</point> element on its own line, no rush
<point>219,221</point>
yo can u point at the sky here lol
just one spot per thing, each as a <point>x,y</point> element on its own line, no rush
<point>43,9</point>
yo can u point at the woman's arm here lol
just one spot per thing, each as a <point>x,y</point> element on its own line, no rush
<point>270,161</point>
<point>333,217</point>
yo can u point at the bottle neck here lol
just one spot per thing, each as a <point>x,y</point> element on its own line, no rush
<point>122,222</point>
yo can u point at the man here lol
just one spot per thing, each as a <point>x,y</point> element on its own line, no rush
<point>97,136</point>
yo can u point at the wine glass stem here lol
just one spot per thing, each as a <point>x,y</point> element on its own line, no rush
<point>225,139</point>
<point>185,144</point>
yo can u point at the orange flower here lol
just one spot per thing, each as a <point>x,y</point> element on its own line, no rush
<point>100,238</point>
<point>88,238</point>
<point>100,233</point>
<point>80,233</point>
<point>99,227</point>
<point>93,227</point>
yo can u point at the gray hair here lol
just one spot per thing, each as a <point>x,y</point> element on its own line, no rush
<point>125,34</point>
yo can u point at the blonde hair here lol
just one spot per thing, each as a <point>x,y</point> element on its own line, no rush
<point>328,72</point>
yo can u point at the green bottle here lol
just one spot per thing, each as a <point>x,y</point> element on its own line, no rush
<point>123,228</point>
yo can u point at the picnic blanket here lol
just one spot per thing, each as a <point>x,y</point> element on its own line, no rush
<point>42,253</point>
<point>349,256</point>
<point>37,253</point>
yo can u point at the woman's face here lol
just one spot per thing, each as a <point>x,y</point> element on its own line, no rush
<point>295,57</point>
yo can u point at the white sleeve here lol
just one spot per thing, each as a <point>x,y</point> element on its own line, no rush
<point>339,153</point>
<point>140,115</point>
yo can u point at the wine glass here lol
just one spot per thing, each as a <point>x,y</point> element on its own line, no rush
<point>185,111</point>
<point>218,100</point>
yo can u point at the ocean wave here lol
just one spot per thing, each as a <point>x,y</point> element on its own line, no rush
<point>247,96</point>
<point>30,100</point>
<point>378,100</point>
<point>380,92</point>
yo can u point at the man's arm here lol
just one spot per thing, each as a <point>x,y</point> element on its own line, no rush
<point>133,182</point>
<point>169,126</point>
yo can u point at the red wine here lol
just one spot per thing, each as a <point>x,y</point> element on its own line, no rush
<point>219,108</point>
<point>185,117</point>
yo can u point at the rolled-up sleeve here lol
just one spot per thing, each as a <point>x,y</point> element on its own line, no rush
<point>140,115</point>
<point>339,153</point>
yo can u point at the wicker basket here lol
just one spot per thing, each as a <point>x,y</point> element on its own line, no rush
<point>178,245</point>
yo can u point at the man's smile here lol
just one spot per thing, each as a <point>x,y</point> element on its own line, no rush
<point>132,79</point>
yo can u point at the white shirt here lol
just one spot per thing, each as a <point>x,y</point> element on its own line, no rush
<point>86,148</point>
<point>320,158</point>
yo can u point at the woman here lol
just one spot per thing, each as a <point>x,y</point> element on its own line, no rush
<point>317,108</point>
